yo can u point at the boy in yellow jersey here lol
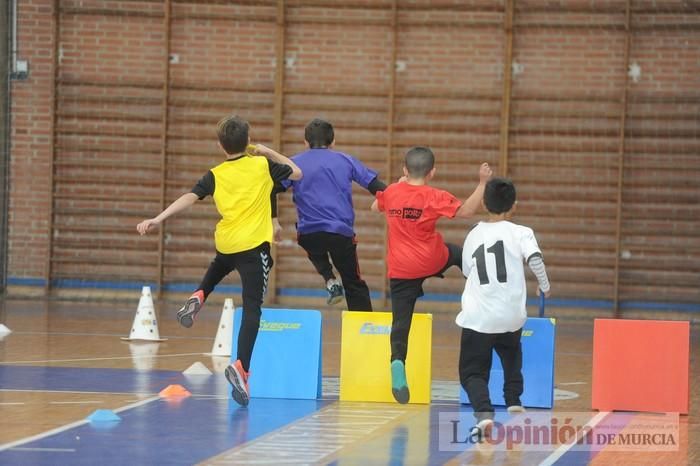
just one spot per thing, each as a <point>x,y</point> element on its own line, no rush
<point>241,187</point>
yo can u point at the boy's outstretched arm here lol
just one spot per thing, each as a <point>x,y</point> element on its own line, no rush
<point>536,264</point>
<point>378,193</point>
<point>279,158</point>
<point>179,204</point>
<point>376,185</point>
<point>471,206</point>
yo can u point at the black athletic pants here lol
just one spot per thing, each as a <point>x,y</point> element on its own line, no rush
<point>343,253</point>
<point>404,293</point>
<point>254,267</point>
<point>475,356</point>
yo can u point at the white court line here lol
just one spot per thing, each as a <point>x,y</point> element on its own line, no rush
<point>75,402</point>
<point>88,334</point>
<point>11,403</point>
<point>559,452</point>
<point>8,363</point>
<point>52,450</point>
<point>33,390</point>
<point>58,430</point>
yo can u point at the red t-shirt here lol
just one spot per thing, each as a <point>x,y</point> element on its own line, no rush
<point>416,249</point>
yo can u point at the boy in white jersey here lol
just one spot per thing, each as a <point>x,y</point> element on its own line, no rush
<point>493,302</point>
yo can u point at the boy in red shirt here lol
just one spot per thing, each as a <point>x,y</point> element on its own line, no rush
<point>416,250</point>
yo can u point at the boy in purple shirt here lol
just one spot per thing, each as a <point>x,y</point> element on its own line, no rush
<point>325,213</point>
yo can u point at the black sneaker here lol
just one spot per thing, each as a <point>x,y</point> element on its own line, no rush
<point>186,315</point>
<point>335,292</point>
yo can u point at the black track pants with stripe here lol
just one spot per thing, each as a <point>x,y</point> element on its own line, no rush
<point>342,250</point>
<point>254,266</point>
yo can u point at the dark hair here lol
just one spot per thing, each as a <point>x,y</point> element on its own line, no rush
<point>499,195</point>
<point>233,134</point>
<point>319,133</point>
<point>419,161</point>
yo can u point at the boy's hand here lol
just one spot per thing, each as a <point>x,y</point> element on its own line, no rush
<point>146,225</point>
<point>251,149</point>
<point>485,172</point>
<point>259,149</point>
<point>403,179</point>
<point>547,294</point>
<point>276,230</point>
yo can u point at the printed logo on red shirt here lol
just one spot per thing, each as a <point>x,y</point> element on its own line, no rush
<point>407,213</point>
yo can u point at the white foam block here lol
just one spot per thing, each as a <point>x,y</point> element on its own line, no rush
<point>197,369</point>
<point>4,330</point>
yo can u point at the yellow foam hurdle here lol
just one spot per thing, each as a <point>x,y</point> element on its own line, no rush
<point>365,368</point>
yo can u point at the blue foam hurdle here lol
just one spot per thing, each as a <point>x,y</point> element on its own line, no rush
<point>286,359</point>
<point>538,367</point>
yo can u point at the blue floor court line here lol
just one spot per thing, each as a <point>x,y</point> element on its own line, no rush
<point>100,380</point>
<point>161,432</point>
<point>194,429</point>
<point>164,432</point>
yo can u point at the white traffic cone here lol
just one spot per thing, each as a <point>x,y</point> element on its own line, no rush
<point>224,334</point>
<point>143,354</point>
<point>4,331</point>
<point>145,326</point>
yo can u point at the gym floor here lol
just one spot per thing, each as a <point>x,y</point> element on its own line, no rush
<point>65,360</point>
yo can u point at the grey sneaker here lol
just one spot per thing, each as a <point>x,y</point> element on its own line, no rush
<point>186,315</point>
<point>238,378</point>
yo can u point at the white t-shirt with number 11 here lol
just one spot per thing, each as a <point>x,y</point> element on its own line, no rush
<point>493,262</point>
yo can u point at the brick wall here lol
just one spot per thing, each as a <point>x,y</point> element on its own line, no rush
<point>31,135</point>
<point>563,138</point>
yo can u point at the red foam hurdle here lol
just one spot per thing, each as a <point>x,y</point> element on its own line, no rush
<point>641,365</point>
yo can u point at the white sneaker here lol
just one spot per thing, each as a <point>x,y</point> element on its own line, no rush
<point>482,429</point>
<point>516,409</point>
<point>485,425</point>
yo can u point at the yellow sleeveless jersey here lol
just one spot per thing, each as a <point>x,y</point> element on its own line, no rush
<point>242,197</point>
